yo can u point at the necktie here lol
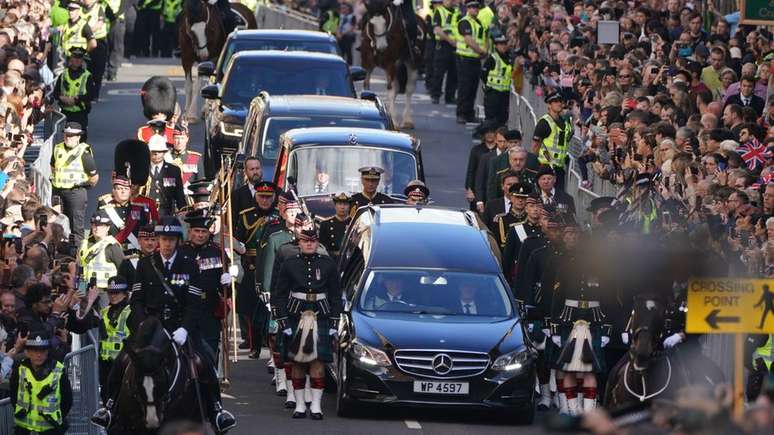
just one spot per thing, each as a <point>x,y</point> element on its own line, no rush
<point>167,265</point>
<point>156,172</point>
<point>467,308</point>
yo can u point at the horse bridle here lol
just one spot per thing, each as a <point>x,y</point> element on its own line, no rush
<point>165,399</point>
<point>372,35</point>
<point>192,36</point>
<point>641,372</point>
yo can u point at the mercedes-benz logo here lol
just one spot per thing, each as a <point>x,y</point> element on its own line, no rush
<point>442,364</point>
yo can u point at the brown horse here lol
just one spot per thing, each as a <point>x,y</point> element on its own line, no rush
<point>385,45</point>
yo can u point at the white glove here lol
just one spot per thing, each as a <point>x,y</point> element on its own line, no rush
<point>233,270</point>
<point>557,340</point>
<point>180,336</point>
<point>333,332</point>
<point>265,297</point>
<point>605,340</point>
<point>397,2</point>
<point>212,2</point>
<point>225,278</point>
<point>673,340</point>
<point>625,337</point>
<point>546,332</point>
<point>287,331</point>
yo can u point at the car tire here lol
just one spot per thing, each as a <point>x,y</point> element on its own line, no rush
<point>344,407</point>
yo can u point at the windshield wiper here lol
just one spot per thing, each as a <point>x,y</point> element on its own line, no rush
<point>445,312</point>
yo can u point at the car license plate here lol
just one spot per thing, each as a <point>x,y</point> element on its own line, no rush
<point>435,387</point>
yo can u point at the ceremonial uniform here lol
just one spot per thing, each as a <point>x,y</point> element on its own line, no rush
<point>332,232</point>
<point>360,199</point>
<point>165,188</point>
<point>142,211</point>
<point>517,235</point>
<point>145,132</point>
<point>504,222</point>
<point>190,163</point>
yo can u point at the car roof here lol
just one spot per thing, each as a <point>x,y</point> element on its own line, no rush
<point>284,35</point>
<point>281,55</point>
<point>349,135</point>
<point>429,237</point>
<point>322,105</point>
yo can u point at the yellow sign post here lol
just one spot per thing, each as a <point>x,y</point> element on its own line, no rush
<point>738,306</point>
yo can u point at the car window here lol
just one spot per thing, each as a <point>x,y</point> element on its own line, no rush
<point>288,77</point>
<point>428,292</point>
<point>330,169</point>
<point>238,45</point>
<point>276,126</point>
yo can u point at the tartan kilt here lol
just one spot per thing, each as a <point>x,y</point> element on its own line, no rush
<point>324,340</point>
<point>597,357</point>
<point>550,352</point>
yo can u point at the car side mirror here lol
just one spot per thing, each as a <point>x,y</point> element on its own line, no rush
<point>206,69</point>
<point>358,73</point>
<point>210,92</point>
<point>368,95</point>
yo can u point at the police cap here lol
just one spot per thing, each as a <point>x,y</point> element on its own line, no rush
<point>117,284</point>
<point>169,226</point>
<point>500,39</point>
<point>552,98</point>
<point>472,4</point>
<point>77,52</point>
<point>100,217</point>
<point>73,129</point>
<point>73,5</point>
<point>40,340</point>
<point>416,188</point>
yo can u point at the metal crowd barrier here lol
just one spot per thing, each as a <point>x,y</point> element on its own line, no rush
<point>82,371</point>
<point>271,16</point>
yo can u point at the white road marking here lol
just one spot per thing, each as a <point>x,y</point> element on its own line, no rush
<point>227,396</point>
<point>413,424</point>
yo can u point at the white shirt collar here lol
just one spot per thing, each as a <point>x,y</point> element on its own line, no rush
<point>171,259</point>
<point>548,195</point>
<point>507,203</point>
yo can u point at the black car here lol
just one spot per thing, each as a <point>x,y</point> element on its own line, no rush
<point>331,156</point>
<point>277,72</point>
<point>272,115</point>
<point>429,320</point>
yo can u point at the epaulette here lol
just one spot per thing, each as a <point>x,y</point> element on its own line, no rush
<point>246,210</point>
<point>499,216</point>
<point>530,170</point>
<point>184,209</point>
<point>105,199</point>
<point>503,170</point>
<point>327,219</point>
<point>196,153</point>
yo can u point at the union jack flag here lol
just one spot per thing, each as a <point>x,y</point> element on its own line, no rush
<point>754,154</point>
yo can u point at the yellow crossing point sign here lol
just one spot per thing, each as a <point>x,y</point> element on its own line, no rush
<point>727,305</point>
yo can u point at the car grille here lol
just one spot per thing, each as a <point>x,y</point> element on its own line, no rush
<point>441,364</point>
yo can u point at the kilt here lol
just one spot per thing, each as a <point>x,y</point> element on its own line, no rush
<point>324,340</point>
<point>563,357</point>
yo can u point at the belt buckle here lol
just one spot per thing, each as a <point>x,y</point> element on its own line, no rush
<point>310,297</point>
<point>583,304</point>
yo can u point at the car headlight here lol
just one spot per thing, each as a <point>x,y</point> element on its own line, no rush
<point>369,355</point>
<point>512,361</point>
<point>229,129</point>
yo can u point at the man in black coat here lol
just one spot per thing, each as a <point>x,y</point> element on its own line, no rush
<point>746,96</point>
<point>244,196</point>
<point>550,195</point>
<point>370,177</point>
<point>165,184</point>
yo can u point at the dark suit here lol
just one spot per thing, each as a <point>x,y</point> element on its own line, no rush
<point>561,200</point>
<point>241,199</point>
<point>499,165</point>
<point>166,189</point>
<point>756,102</point>
<point>481,175</point>
<point>470,175</point>
<point>492,208</point>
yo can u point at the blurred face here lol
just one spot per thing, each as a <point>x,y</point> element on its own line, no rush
<point>36,356</point>
<point>199,236</point>
<point>148,244</point>
<point>473,11</point>
<point>728,117</point>
<point>726,80</point>
<point>370,185</point>
<point>264,202</point>
<point>517,161</point>
<point>167,245</point>
<point>181,141</point>
<point>322,177</point>
<point>74,14</point>
<point>768,198</point>
<point>695,25</point>
<point>500,142</point>
<point>43,306</point>
<point>100,231</point>
<point>8,303</point>
<point>71,140</point>
<point>157,157</point>
<point>116,298</point>
<point>308,247</point>
<point>546,182</point>
<point>121,193</point>
<point>746,88</point>
<point>716,60</point>
<point>570,238</point>
<point>508,182</point>
<point>290,216</point>
<point>253,171</point>
<point>533,211</point>
<point>342,208</point>
<point>518,202</point>
<point>710,165</point>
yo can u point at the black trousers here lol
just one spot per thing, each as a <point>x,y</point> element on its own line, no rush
<point>345,44</point>
<point>129,24</point>
<point>146,33</point>
<point>468,70</point>
<point>167,39</point>
<point>74,207</point>
<point>561,176</point>
<point>496,106</point>
<point>97,62</point>
<point>444,64</point>
<point>115,48</point>
<point>430,44</point>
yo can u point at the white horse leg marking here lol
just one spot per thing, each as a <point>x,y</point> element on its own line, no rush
<point>411,83</point>
<point>200,45</point>
<point>151,417</point>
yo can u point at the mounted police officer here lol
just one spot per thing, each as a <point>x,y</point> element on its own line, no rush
<point>332,229</point>
<point>307,300</point>
<point>516,215</point>
<point>496,74</point>
<point>370,177</point>
<point>148,243</point>
<point>165,184</point>
<point>446,16</point>
<point>94,13</point>
<point>40,391</point>
<point>551,137</point>
<point>213,278</point>
<point>472,46</point>
<point>73,170</point>
<point>100,253</point>
<point>75,89</point>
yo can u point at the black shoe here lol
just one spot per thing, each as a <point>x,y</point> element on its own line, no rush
<point>471,120</point>
<point>290,405</point>
<point>317,416</point>
<point>299,415</point>
<point>451,101</point>
<point>436,100</point>
<point>254,354</point>
<point>244,345</point>
<point>460,120</point>
<point>224,421</point>
<point>102,417</point>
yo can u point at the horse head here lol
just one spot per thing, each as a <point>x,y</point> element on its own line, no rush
<point>381,18</point>
<point>197,20</point>
<point>151,352</point>
<point>646,326</point>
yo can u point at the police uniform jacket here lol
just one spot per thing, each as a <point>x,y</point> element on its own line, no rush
<point>183,307</point>
<point>128,268</point>
<point>65,390</point>
<point>166,189</point>
<point>91,87</point>
<point>517,235</point>
<point>359,200</point>
<point>307,274</point>
<point>332,232</point>
<point>208,258</point>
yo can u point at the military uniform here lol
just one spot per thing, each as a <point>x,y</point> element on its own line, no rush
<point>360,200</point>
<point>142,212</point>
<point>190,163</point>
<point>332,231</point>
<point>208,258</point>
<point>504,222</point>
<point>517,235</point>
<point>165,184</point>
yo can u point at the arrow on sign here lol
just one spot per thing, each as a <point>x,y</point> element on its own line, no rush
<point>713,318</point>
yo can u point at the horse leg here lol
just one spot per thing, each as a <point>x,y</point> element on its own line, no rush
<point>392,92</point>
<point>367,80</point>
<point>188,92</point>
<point>411,83</point>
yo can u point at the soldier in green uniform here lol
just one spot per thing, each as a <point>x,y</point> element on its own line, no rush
<point>332,229</point>
<point>517,234</point>
<point>370,177</point>
<point>517,214</point>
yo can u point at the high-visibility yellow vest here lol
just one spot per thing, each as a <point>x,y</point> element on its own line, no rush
<point>115,6</point>
<point>485,17</point>
<point>557,152</point>
<point>766,352</point>
<point>72,36</point>
<point>251,4</point>
<point>95,262</point>
<point>449,19</point>
<point>36,413</point>
<point>58,14</point>
<point>111,345</point>
<point>92,16</point>
<point>331,24</point>
<point>499,77</point>
<point>479,35</point>
<point>74,88</point>
<point>154,5</point>
<point>171,9</point>
<point>68,166</point>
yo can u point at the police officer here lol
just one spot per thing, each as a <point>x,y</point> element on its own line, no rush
<point>416,193</point>
<point>496,74</point>
<point>213,278</point>
<point>332,229</point>
<point>41,395</point>
<point>370,177</point>
<point>73,170</point>
<point>75,89</point>
<point>116,14</point>
<point>517,234</point>
<point>190,162</point>
<point>77,33</point>
<point>471,48</point>
<point>148,242</point>
<point>308,283</point>
<point>113,328</point>
<point>165,184</point>
<point>93,13</point>
<point>517,214</point>
<point>551,137</point>
<point>446,17</point>
<point>100,253</point>
<point>170,11</point>
<point>146,28</point>
<point>329,17</point>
